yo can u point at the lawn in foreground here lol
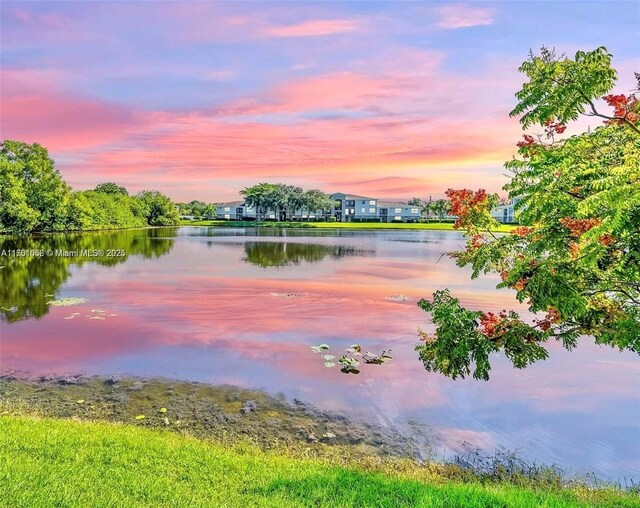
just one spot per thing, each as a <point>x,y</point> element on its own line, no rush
<point>46,462</point>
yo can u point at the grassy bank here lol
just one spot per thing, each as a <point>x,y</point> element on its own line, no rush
<point>437,226</point>
<point>45,462</point>
<point>91,441</point>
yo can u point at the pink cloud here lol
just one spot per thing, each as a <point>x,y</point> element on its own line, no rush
<point>463,16</point>
<point>314,28</point>
<point>34,111</point>
<point>385,133</point>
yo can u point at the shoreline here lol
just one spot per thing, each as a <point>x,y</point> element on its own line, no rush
<point>126,420</point>
<point>201,409</point>
<point>371,226</point>
<point>425,226</point>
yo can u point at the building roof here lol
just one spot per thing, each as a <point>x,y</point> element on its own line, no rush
<point>394,204</point>
<point>350,196</point>
<point>231,203</point>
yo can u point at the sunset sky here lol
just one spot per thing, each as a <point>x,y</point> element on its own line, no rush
<point>199,99</point>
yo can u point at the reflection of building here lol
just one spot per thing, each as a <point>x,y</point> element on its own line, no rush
<point>347,208</point>
<point>505,213</point>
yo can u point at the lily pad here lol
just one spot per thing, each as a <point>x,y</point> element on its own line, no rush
<point>355,349</point>
<point>140,417</point>
<point>329,364</point>
<point>163,409</point>
<point>320,348</point>
<point>66,302</point>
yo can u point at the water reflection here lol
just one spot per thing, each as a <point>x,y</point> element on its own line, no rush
<point>202,310</point>
<point>34,267</point>
<point>278,254</point>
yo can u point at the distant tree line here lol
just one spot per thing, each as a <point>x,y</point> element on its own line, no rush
<point>197,209</point>
<point>284,199</point>
<point>35,198</point>
<point>438,208</point>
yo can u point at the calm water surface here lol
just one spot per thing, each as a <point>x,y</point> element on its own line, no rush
<point>243,307</point>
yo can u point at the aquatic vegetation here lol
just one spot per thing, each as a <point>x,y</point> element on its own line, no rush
<point>350,362</point>
<point>67,302</point>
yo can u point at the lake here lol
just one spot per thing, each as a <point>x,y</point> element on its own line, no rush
<point>244,307</point>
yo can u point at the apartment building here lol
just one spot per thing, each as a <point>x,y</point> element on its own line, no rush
<point>393,211</point>
<point>506,213</point>
<point>354,208</point>
<point>347,208</point>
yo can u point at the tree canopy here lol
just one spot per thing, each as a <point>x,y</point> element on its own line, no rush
<point>35,198</point>
<point>111,188</point>
<point>576,259</point>
<point>288,198</point>
<point>33,195</point>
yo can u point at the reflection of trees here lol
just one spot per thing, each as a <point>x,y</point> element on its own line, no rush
<point>270,254</point>
<point>29,282</point>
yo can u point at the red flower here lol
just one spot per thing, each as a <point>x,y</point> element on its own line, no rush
<point>553,316</point>
<point>523,231</point>
<point>477,241</point>
<point>574,249</point>
<point>544,325</point>
<point>622,106</point>
<point>578,227</point>
<point>464,201</point>
<point>554,128</point>
<point>489,323</point>
<point>606,239</point>
<point>520,284</point>
<point>528,141</point>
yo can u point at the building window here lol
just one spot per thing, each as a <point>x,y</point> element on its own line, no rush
<point>397,217</point>
<point>363,202</point>
<point>414,210</point>
<point>362,210</point>
<point>372,210</point>
<point>227,216</point>
<point>398,210</point>
<point>372,202</point>
<point>227,209</point>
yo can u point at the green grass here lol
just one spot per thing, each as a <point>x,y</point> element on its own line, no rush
<point>65,463</point>
<point>439,226</point>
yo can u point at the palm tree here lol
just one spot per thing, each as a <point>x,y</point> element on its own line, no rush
<point>315,200</point>
<point>426,207</point>
<point>256,196</point>
<point>441,207</point>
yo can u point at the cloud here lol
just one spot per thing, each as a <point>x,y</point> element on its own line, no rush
<point>463,16</point>
<point>392,131</point>
<point>34,112</point>
<point>314,28</point>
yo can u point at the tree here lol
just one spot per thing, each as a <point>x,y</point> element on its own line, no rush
<point>36,195</point>
<point>258,196</point>
<point>111,188</point>
<point>158,209</point>
<point>576,262</point>
<point>315,200</point>
<point>16,215</point>
<point>441,207</point>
